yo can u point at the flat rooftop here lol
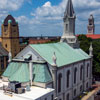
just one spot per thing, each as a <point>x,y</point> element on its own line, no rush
<point>35,93</point>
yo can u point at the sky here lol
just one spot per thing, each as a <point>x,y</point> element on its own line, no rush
<point>45,17</point>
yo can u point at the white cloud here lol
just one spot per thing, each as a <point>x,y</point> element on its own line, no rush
<point>47,10</point>
<point>86,3</point>
<point>47,19</point>
<point>47,4</point>
<point>10,4</point>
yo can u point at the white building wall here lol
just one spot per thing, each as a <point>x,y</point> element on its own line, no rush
<point>80,85</point>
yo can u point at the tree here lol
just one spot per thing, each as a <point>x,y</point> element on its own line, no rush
<point>85,44</point>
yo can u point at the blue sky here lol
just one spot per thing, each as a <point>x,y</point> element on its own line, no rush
<point>44,17</point>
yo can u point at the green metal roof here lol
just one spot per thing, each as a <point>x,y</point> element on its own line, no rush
<point>22,74</point>
<point>11,69</point>
<point>64,53</point>
<point>17,71</point>
<point>41,73</point>
<point>82,53</point>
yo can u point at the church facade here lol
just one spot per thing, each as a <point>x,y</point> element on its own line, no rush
<point>62,66</point>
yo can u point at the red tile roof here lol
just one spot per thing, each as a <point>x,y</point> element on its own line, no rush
<point>93,36</point>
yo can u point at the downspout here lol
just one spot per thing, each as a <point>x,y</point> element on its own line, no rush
<point>91,60</point>
<point>31,72</point>
<point>84,74</point>
<point>55,73</point>
<point>55,80</point>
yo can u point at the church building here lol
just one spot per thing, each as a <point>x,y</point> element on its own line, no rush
<point>61,66</point>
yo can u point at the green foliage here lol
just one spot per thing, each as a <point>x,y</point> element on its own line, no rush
<point>85,44</point>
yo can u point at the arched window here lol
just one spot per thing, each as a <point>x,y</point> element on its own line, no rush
<point>6,45</point>
<point>81,72</point>
<point>87,69</point>
<point>87,85</point>
<point>75,71</point>
<point>45,98</point>
<point>75,92</point>
<point>67,96</point>
<point>59,82</point>
<point>52,97</point>
<point>67,80</point>
<point>81,88</point>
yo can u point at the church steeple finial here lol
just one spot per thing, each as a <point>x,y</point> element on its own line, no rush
<point>69,10</point>
<point>91,50</point>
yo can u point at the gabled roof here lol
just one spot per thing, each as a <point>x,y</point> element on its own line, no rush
<point>64,53</point>
<point>69,9</point>
<point>3,52</point>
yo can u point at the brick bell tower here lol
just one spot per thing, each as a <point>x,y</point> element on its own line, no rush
<point>10,35</point>
<point>91,25</point>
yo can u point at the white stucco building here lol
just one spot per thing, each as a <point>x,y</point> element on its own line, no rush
<point>61,66</point>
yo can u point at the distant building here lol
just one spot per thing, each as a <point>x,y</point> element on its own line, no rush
<point>61,66</point>
<point>91,26</point>
<point>91,29</point>
<point>94,36</point>
<point>45,39</point>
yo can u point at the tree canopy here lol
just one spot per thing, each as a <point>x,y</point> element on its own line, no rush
<point>85,44</point>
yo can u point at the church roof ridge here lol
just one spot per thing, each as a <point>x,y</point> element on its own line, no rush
<point>64,53</point>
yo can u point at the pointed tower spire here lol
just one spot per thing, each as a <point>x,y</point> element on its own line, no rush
<point>91,50</point>
<point>69,9</point>
<point>69,26</point>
